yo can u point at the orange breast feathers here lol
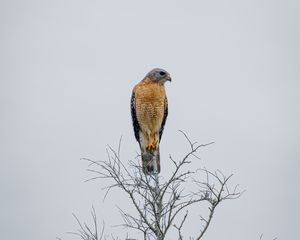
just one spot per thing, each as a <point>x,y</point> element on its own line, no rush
<point>150,107</point>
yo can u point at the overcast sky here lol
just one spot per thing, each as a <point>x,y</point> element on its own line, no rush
<point>66,75</point>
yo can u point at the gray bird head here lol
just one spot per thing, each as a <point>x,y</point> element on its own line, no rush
<point>159,75</point>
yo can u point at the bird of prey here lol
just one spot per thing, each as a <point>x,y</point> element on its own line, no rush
<point>149,111</point>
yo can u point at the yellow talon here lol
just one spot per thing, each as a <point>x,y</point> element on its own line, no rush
<point>152,146</point>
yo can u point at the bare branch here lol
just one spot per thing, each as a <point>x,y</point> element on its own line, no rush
<point>85,232</point>
<point>159,203</point>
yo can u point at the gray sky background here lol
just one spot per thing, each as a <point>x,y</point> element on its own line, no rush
<point>67,71</point>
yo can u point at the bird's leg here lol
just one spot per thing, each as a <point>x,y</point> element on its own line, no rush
<point>149,144</point>
<point>155,141</point>
<point>152,143</point>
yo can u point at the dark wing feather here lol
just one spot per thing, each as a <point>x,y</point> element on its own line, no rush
<point>135,123</point>
<point>164,119</point>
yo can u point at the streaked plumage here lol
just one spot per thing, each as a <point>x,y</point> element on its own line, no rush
<point>149,111</point>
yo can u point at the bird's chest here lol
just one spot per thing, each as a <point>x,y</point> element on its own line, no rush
<point>150,106</point>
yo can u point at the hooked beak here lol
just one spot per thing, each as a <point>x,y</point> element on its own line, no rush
<point>168,78</point>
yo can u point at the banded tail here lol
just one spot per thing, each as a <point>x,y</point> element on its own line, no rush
<point>150,161</point>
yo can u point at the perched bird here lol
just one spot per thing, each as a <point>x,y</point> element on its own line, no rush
<point>149,111</point>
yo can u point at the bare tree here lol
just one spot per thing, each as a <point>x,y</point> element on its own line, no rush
<point>161,204</point>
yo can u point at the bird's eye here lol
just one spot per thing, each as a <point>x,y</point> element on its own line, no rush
<point>162,73</point>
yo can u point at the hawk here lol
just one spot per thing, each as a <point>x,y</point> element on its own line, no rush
<point>149,111</point>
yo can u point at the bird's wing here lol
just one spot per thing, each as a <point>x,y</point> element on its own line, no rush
<point>164,118</point>
<point>135,123</point>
